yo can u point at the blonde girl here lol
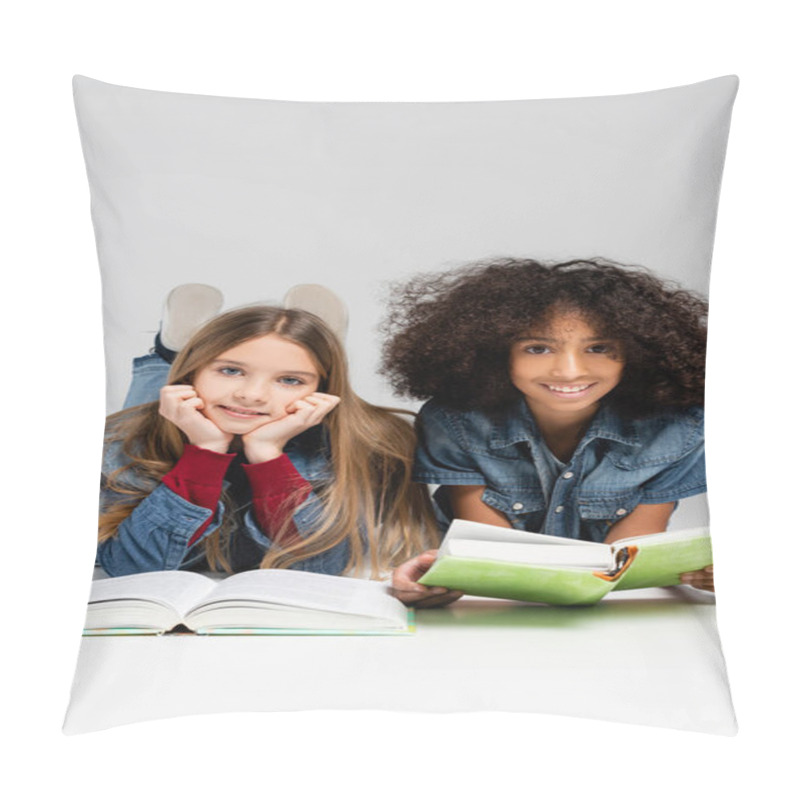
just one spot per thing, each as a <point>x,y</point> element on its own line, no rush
<point>259,454</point>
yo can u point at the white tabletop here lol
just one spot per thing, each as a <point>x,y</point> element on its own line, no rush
<point>648,656</point>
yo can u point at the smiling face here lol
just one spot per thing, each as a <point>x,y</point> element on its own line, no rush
<point>255,382</point>
<point>565,367</point>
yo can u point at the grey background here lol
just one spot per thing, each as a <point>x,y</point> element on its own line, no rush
<point>431,51</point>
<point>253,196</point>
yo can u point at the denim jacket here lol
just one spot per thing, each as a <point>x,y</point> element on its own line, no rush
<point>156,534</point>
<point>618,464</point>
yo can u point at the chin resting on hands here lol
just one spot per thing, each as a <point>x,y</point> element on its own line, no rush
<point>268,440</point>
<point>182,406</point>
<point>404,584</point>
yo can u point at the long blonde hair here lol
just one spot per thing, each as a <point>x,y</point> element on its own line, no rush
<point>370,502</point>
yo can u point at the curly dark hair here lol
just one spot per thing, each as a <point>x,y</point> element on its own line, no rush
<point>449,334</point>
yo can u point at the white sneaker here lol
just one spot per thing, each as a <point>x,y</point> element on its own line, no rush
<point>186,308</point>
<point>321,301</point>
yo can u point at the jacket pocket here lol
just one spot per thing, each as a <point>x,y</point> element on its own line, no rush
<point>513,501</point>
<point>610,507</point>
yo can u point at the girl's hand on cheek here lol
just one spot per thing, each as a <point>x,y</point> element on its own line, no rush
<point>406,589</point>
<point>182,406</point>
<point>268,440</point>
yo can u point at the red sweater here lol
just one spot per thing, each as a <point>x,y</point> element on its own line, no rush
<point>198,475</point>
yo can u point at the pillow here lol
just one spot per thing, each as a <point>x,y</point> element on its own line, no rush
<point>254,197</point>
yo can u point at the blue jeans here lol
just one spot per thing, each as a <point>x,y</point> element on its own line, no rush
<point>148,375</point>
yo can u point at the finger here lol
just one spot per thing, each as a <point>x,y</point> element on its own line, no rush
<point>416,589</point>
<point>431,600</point>
<point>328,401</point>
<point>418,566</point>
<point>178,390</point>
<point>417,572</point>
<point>315,400</point>
<point>412,596</point>
<point>328,404</point>
<point>298,406</point>
<point>321,403</point>
<point>306,416</point>
<point>700,579</point>
<point>405,583</point>
<point>311,413</point>
<point>409,573</point>
<point>328,398</point>
<point>695,574</point>
<point>318,415</point>
<point>439,600</point>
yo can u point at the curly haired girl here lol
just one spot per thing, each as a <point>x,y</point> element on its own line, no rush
<point>258,453</point>
<point>562,398</point>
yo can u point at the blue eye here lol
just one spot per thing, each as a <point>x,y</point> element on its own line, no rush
<point>289,381</point>
<point>230,371</point>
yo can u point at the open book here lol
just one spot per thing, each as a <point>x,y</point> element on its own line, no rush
<point>491,561</point>
<point>265,601</point>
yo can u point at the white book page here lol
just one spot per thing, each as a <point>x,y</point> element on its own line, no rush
<point>666,536</point>
<point>464,529</point>
<point>256,617</point>
<point>176,589</point>
<point>555,555</point>
<point>310,590</point>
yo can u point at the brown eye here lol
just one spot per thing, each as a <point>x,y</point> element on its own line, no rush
<point>603,348</point>
<point>537,349</point>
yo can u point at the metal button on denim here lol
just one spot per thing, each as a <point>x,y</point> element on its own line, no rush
<point>619,463</point>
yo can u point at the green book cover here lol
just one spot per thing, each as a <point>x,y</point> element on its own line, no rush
<point>498,567</point>
<point>554,585</point>
<point>661,561</point>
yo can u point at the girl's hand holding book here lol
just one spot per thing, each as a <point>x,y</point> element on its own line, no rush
<point>700,579</point>
<point>182,406</point>
<point>406,589</point>
<point>267,441</point>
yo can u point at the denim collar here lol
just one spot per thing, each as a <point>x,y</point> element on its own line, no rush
<point>518,425</point>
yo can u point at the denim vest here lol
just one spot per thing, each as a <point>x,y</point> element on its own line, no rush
<point>156,534</point>
<point>618,464</point>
